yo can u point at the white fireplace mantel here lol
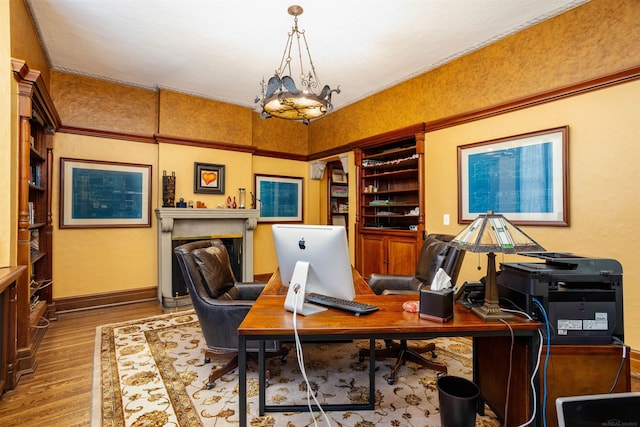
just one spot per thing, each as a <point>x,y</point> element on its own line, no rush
<point>190,223</point>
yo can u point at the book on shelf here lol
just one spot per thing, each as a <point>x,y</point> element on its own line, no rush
<point>34,175</point>
<point>32,213</point>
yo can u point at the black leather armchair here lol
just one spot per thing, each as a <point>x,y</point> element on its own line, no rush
<point>220,302</point>
<point>434,254</point>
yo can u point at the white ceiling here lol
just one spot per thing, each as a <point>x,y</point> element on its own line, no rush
<point>222,49</point>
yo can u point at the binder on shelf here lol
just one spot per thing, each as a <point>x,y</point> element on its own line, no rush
<point>32,213</point>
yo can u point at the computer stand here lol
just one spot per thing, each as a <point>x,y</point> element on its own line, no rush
<point>294,301</point>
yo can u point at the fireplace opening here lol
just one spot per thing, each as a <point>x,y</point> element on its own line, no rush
<point>233,245</point>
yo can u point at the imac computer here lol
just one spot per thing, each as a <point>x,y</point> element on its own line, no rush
<point>313,258</point>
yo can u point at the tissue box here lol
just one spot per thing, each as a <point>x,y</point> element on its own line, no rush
<point>436,305</point>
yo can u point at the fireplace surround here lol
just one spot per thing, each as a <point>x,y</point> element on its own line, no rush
<point>197,224</point>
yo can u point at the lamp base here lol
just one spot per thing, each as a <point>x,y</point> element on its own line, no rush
<point>491,313</point>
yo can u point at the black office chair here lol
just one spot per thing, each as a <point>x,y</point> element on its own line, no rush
<point>434,254</point>
<point>220,302</point>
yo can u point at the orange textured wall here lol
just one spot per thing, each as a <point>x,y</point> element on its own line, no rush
<point>97,104</point>
<point>24,40</point>
<point>198,118</point>
<point>595,39</point>
<point>279,135</point>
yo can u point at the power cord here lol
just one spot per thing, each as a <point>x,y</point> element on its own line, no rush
<point>546,361</point>
<point>300,357</point>
<point>535,369</point>
<point>624,356</point>
<point>506,401</point>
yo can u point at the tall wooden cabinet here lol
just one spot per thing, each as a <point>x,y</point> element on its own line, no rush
<point>390,202</point>
<point>38,121</point>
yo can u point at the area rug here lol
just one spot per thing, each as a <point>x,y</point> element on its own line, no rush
<point>151,372</point>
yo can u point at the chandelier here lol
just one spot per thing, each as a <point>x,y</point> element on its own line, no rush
<point>280,97</point>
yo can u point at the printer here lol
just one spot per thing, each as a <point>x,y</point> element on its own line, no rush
<point>582,296</point>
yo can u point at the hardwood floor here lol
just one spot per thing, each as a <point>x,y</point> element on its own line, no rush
<point>58,394</point>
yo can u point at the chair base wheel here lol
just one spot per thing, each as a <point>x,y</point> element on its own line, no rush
<point>209,385</point>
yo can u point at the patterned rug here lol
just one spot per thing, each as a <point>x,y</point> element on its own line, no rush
<point>151,372</point>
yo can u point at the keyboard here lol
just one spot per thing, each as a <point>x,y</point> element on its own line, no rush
<point>357,308</point>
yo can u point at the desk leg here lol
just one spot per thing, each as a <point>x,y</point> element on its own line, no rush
<point>242,380</point>
<point>262,384</point>
<point>372,373</point>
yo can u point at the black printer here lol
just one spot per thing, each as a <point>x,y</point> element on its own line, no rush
<point>581,296</point>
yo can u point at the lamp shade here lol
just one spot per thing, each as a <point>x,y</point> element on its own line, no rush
<point>492,232</point>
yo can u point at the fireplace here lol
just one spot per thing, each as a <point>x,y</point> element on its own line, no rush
<point>233,226</point>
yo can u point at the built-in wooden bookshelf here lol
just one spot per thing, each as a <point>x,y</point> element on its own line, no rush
<point>390,201</point>
<point>38,122</point>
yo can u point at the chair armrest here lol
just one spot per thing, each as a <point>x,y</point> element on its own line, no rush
<point>381,282</point>
<point>400,292</point>
<point>250,290</point>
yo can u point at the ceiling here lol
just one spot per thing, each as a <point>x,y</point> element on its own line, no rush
<point>221,50</point>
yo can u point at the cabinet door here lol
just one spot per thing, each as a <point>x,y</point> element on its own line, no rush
<point>401,255</point>
<point>372,255</point>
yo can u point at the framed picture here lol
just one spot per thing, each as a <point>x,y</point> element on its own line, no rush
<point>208,178</point>
<point>279,198</point>
<point>523,177</point>
<point>98,194</point>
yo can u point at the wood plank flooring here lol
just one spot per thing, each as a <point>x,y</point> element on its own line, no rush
<point>58,394</point>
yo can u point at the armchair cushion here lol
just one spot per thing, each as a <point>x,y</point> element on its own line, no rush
<point>212,263</point>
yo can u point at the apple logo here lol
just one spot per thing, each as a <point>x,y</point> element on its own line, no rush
<point>301,244</point>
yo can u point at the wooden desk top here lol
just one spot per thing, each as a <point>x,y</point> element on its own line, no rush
<point>269,317</point>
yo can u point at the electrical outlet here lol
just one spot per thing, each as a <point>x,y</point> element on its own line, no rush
<point>446,219</point>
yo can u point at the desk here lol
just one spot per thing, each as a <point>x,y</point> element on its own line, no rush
<point>268,320</point>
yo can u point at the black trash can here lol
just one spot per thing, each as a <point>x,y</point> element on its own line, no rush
<point>458,401</point>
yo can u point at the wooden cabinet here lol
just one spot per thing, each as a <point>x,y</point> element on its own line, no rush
<point>38,121</point>
<point>387,254</point>
<point>576,370</point>
<point>338,191</point>
<point>573,370</point>
<point>390,201</point>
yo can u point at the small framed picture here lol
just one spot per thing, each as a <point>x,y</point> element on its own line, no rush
<point>208,178</point>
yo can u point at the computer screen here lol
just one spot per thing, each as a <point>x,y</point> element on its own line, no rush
<point>326,251</point>
<point>614,409</point>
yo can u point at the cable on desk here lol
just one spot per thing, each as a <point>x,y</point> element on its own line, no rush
<point>506,401</point>
<point>535,369</point>
<point>300,358</point>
